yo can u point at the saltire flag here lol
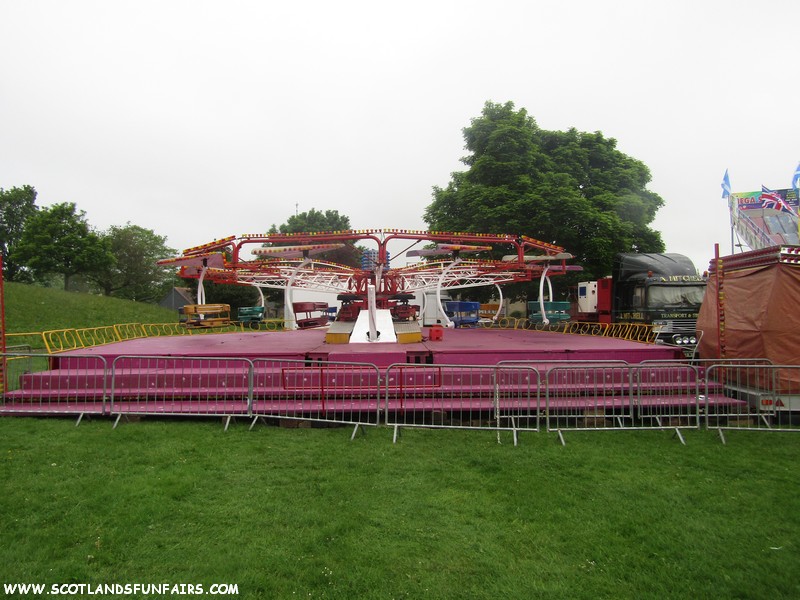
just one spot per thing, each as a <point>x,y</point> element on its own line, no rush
<point>796,180</point>
<point>774,200</point>
<point>726,185</point>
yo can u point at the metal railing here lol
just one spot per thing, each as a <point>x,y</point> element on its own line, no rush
<point>636,332</point>
<point>63,340</point>
<point>755,397</point>
<point>45,385</point>
<point>511,396</point>
<point>588,397</point>
<point>323,392</point>
<point>667,396</point>
<point>181,385</point>
<point>499,397</point>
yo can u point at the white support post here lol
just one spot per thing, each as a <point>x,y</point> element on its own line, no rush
<point>499,306</point>
<point>372,307</point>
<point>447,322</point>
<point>288,313</point>
<point>545,320</point>
<point>201,292</point>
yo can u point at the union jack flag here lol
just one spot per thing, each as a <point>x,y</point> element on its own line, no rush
<point>772,199</point>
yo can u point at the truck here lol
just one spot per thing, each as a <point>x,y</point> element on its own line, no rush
<point>662,290</point>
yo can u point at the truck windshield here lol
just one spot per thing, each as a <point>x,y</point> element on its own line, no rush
<point>673,296</point>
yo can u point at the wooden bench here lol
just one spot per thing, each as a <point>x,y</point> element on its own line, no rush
<point>310,321</point>
<point>250,314</point>
<point>488,311</point>
<point>206,315</point>
<point>555,311</point>
<point>462,313</point>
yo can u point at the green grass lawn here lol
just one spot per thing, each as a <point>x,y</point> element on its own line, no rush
<point>33,309</point>
<point>291,513</point>
<point>30,308</point>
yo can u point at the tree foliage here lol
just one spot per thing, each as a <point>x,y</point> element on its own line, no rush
<point>574,189</point>
<point>17,205</point>
<point>233,295</point>
<point>316,221</point>
<point>58,240</point>
<point>134,273</point>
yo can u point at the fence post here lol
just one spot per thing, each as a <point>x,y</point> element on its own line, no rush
<point>2,331</point>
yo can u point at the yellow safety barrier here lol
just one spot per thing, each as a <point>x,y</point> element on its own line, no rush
<point>61,340</point>
<point>508,322</point>
<point>275,324</point>
<point>635,332</point>
<point>129,331</point>
<point>32,340</point>
<point>97,336</point>
<point>164,329</point>
<point>265,325</point>
<point>585,328</point>
<point>228,327</point>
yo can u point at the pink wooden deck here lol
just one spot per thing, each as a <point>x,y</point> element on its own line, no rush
<point>459,346</point>
<point>163,374</point>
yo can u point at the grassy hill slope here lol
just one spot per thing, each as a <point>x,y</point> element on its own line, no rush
<point>31,308</point>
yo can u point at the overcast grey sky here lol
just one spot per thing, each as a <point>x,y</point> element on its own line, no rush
<point>202,119</point>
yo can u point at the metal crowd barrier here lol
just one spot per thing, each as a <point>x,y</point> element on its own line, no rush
<point>667,396</point>
<point>43,384</point>
<point>588,396</point>
<point>755,397</point>
<point>462,396</point>
<point>510,396</point>
<point>181,385</point>
<point>323,392</point>
<point>614,395</point>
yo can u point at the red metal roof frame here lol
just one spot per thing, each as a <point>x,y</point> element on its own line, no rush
<point>236,270</point>
<point>758,258</point>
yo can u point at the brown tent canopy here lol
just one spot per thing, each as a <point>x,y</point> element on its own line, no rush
<point>760,316</point>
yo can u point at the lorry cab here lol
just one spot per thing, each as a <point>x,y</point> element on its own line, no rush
<point>663,290</point>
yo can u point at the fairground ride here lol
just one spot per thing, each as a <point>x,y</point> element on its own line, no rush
<point>449,261</point>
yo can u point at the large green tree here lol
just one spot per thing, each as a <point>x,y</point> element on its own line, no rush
<point>17,205</point>
<point>315,220</point>
<point>330,220</point>
<point>234,295</point>
<point>134,274</point>
<point>570,188</point>
<point>58,240</point>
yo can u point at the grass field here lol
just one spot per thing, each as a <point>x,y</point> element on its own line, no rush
<point>305,513</point>
<point>290,513</point>
<point>31,308</point>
